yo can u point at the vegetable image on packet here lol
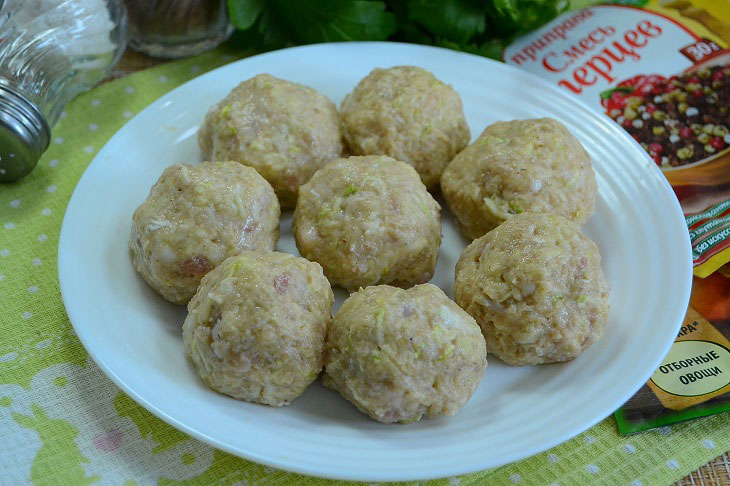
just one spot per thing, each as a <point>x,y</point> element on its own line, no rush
<point>693,380</point>
<point>661,70</point>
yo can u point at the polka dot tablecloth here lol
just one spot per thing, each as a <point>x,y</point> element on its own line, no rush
<point>63,422</point>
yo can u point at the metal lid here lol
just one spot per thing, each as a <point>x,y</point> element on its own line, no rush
<point>24,134</point>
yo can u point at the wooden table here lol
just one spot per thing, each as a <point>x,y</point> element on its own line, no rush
<point>714,473</point>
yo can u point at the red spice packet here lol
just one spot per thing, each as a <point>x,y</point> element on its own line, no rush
<point>661,70</point>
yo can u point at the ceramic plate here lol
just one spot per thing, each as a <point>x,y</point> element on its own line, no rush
<point>135,336</point>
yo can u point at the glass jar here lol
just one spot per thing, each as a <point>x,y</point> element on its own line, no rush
<point>177,28</point>
<point>50,51</point>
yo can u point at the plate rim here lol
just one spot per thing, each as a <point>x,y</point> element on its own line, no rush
<point>64,237</point>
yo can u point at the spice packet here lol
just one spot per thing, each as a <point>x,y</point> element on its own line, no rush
<point>661,70</point>
<point>693,380</point>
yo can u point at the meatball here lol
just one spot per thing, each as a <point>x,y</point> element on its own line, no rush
<point>408,114</point>
<point>255,329</point>
<point>368,220</point>
<point>400,354</point>
<point>194,218</point>
<point>284,130</point>
<point>516,166</point>
<point>535,286</point>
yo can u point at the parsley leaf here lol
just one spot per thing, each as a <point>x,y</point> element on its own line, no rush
<point>514,17</point>
<point>457,20</point>
<point>243,13</point>
<point>480,27</point>
<point>328,21</point>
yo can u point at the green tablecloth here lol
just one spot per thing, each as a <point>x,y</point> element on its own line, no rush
<point>63,422</point>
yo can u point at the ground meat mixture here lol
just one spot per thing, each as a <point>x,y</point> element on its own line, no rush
<point>284,130</point>
<point>406,113</point>
<point>195,217</point>
<point>535,286</point>
<point>533,165</point>
<point>399,355</point>
<point>368,220</point>
<point>256,328</point>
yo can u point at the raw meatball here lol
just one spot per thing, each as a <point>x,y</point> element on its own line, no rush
<point>256,328</point>
<point>535,286</point>
<point>400,354</point>
<point>284,130</point>
<point>408,114</point>
<point>368,220</point>
<point>197,216</point>
<point>516,166</point>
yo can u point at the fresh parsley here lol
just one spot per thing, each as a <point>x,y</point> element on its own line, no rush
<point>481,27</point>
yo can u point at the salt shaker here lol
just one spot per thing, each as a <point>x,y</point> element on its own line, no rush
<point>50,51</point>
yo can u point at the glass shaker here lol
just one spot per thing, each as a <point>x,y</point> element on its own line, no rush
<point>50,51</point>
<point>177,28</point>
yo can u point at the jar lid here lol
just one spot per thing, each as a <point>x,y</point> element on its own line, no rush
<point>24,134</point>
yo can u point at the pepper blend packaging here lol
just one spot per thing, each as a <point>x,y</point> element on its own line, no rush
<point>661,70</point>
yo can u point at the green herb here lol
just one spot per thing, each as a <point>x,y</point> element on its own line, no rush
<point>512,17</point>
<point>515,208</point>
<point>233,268</point>
<point>324,211</point>
<point>417,349</point>
<point>556,298</point>
<point>271,24</point>
<point>244,13</point>
<point>446,352</point>
<point>350,190</point>
<point>457,20</point>
<point>379,316</point>
<point>481,27</point>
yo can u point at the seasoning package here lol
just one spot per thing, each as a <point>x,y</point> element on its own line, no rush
<point>694,378</point>
<point>661,70</point>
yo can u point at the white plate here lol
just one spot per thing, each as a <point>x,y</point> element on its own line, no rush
<point>135,337</point>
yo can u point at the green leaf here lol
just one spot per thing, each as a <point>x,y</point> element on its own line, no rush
<point>273,33</point>
<point>267,33</point>
<point>457,20</point>
<point>481,27</point>
<point>508,18</point>
<point>243,13</point>
<point>506,9</point>
<point>492,49</point>
<point>343,20</point>
<point>413,32</point>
